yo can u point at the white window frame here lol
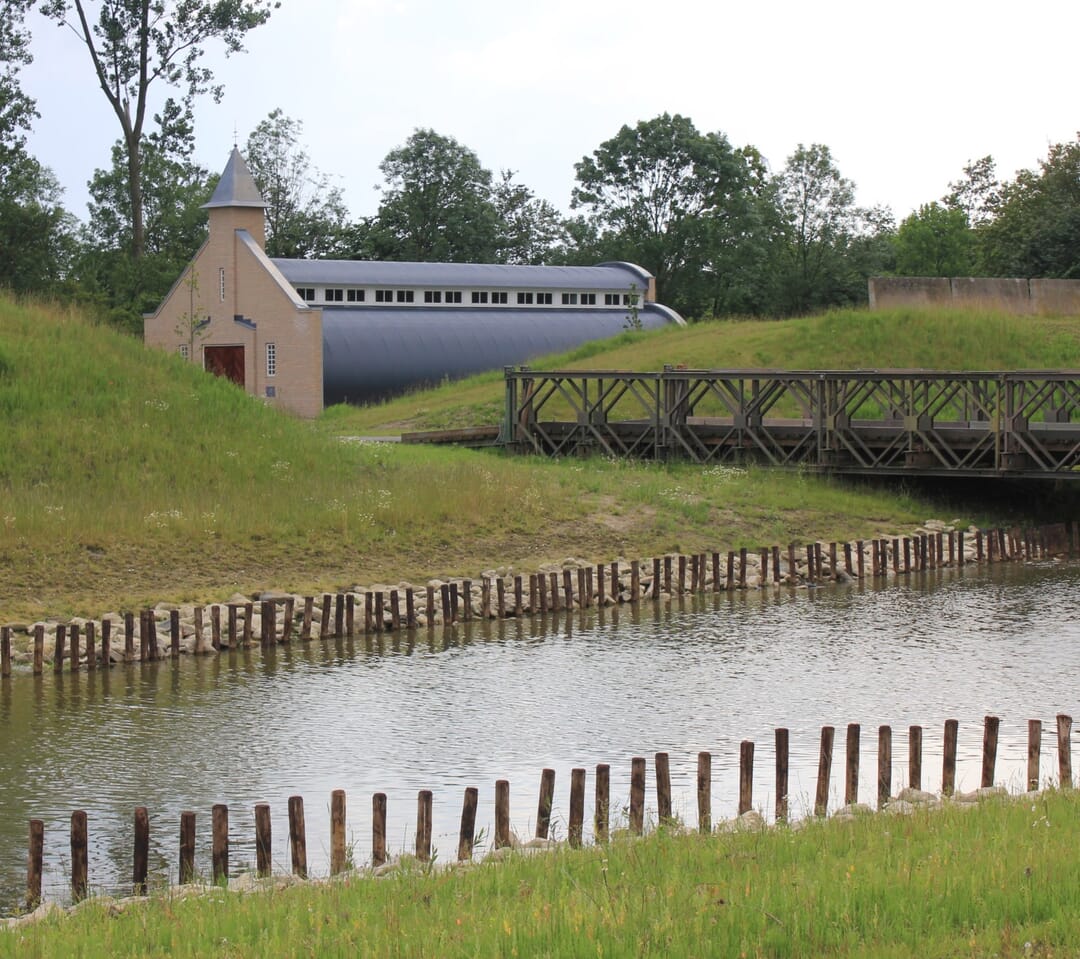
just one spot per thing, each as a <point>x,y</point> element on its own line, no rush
<point>271,359</point>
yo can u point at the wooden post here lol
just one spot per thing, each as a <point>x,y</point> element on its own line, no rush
<point>423,825</point>
<point>350,616</point>
<point>429,606</point>
<point>782,774</point>
<point>1033,753</point>
<point>151,629</point>
<point>519,600</point>
<point>990,741</point>
<point>776,564</point>
<point>948,764</point>
<point>447,612</point>
<point>742,567</point>
<point>324,620</point>
<point>378,829</point>
<point>582,596</point>
<point>410,608</point>
<point>140,866</point>
<point>663,788</point>
<point>297,836</point>
<point>716,572</point>
<point>763,573</point>
<point>249,623</point>
<point>601,589</point>
<point>682,574</point>
<point>577,808</point>
<point>730,578</point>
<point>268,622</point>
<point>369,611</point>
<point>635,582</point>
<point>263,841</point>
<point>615,581</point>
<point>896,556</point>
<point>821,800</point>
<point>467,833</point>
<point>79,860</point>
<point>875,557</point>
<point>543,806</point>
<point>537,599</point>
<point>220,844</point>
<point>129,637</point>
<point>502,813</point>
<point>106,643</point>
<point>500,597</point>
<point>1064,734</point>
<point>884,765</point>
<point>952,547</point>
<point>339,615</point>
<point>34,858</point>
<point>704,793</point>
<point>5,652</point>
<point>380,611</point>
<point>851,782</point>
<point>818,563</point>
<point>915,757</point>
<point>907,554</point>
<point>91,653</point>
<point>553,579</point>
<point>602,802</point>
<point>187,847</point>
<point>309,615</point>
<point>197,616</point>
<point>215,626</point>
<point>286,620</point>
<point>174,632</point>
<point>960,558</point>
<point>39,649</point>
<point>978,546</point>
<point>667,574</point>
<point>832,560</point>
<point>848,568</point>
<point>793,570</point>
<point>746,776</point>
<point>637,795</point>
<point>58,648</point>
<point>73,645</point>
<point>466,597</point>
<point>337,832</point>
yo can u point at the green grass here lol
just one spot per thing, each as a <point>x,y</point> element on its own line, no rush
<point>1002,880</point>
<point>128,477</point>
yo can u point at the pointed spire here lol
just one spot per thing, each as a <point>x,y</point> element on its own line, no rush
<point>236,187</point>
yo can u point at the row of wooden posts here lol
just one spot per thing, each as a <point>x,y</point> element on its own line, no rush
<point>575,823</point>
<point>677,574</point>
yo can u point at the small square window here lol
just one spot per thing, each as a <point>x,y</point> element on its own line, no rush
<point>499,297</point>
<point>306,293</point>
<point>355,296</point>
<point>524,299</point>
<point>404,296</point>
<point>333,296</point>
<point>611,299</point>
<point>543,299</point>
<point>630,299</point>
<point>384,296</point>
<point>184,351</point>
<point>588,299</point>
<point>569,299</point>
<point>432,296</point>
<point>479,296</point>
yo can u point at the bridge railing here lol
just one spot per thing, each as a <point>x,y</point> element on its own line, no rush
<point>975,423</point>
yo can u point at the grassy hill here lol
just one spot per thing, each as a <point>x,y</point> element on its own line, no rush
<point>127,476</point>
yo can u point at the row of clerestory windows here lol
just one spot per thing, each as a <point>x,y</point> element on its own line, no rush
<point>457,297</point>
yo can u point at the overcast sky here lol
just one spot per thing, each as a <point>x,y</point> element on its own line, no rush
<point>903,94</point>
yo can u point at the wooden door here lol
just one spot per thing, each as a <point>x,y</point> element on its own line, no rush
<point>227,361</point>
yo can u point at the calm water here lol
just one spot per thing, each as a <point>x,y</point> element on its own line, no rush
<point>464,707</point>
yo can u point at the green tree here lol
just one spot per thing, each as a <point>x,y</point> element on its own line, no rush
<point>529,228</point>
<point>977,193</point>
<point>136,45</point>
<point>667,197</point>
<point>437,204</point>
<point>305,212</point>
<point>935,241</point>
<point>818,222</point>
<point>1036,232</point>
<point>176,187</point>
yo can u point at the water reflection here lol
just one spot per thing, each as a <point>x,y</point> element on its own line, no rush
<point>464,706</point>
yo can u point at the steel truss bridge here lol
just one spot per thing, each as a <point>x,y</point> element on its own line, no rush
<point>1015,424</point>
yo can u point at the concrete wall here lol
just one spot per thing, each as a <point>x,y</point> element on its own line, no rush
<point>1054,297</point>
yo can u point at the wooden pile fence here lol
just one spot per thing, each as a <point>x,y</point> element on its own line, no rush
<point>467,836</point>
<point>585,587</point>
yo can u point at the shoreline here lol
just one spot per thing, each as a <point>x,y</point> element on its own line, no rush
<point>169,630</point>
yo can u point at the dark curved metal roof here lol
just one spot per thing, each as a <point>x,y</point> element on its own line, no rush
<point>606,276</point>
<point>372,352</point>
